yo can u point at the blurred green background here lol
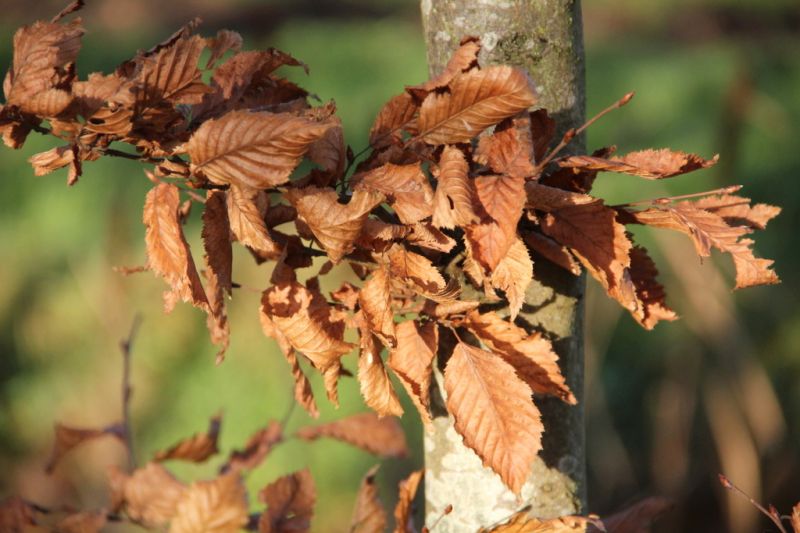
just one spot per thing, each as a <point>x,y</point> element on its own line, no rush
<point>718,391</point>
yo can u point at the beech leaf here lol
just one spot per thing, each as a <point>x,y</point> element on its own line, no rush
<point>369,516</point>
<point>513,274</point>
<point>406,491</point>
<point>477,99</point>
<point>383,437</point>
<point>216,506</point>
<point>247,221</point>
<point>412,361</point>
<point>376,387</point>
<point>197,448</point>
<point>258,446</point>
<point>392,117</point>
<point>150,495</point>
<point>502,199</point>
<point>290,504</point>
<point>454,191</point>
<point>649,164</point>
<point>253,149</point>
<point>509,149</point>
<point>67,438</point>
<point>375,299</point>
<point>405,186</point>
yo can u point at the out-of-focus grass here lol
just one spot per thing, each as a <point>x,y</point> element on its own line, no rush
<point>62,309</point>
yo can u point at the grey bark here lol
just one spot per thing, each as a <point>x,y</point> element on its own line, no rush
<point>544,37</point>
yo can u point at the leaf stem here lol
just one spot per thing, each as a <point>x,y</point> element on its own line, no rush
<point>730,189</point>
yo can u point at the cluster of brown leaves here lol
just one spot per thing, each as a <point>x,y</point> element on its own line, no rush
<point>152,497</point>
<point>458,175</point>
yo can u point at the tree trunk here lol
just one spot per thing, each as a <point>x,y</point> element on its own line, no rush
<point>544,37</point>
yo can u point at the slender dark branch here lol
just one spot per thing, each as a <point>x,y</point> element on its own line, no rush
<point>125,347</point>
<point>774,516</point>
<point>730,189</point>
<point>127,155</point>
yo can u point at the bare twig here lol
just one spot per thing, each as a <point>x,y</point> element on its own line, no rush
<point>772,514</point>
<point>730,189</point>
<point>447,511</point>
<point>125,347</point>
<point>572,132</point>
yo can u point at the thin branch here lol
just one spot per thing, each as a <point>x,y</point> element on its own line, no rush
<point>572,132</point>
<point>730,189</point>
<point>125,347</point>
<point>774,516</point>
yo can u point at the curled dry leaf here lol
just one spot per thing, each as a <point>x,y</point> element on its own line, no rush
<point>592,233</point>
<point>412,362</point>
<point>405,186</point>
<point>369,516</point>
<point>650,164</point>
<point>530,354</point>
<point>304,319</point>
<point>149,496</point>
<point>494,412</point>
<point>375,300</point>
<point>406,491</point>
<point>552,251</point>
<point>290,504</point>
<point>509,150</point>
<point>709,230</point>
<point>252,149</point>
<point>502,199</point>
<point>513,275</point>
<point>454,191</point>
<point>477,99</point>
<point>171,74</point>
<point>219,265</point>
<point>796,518</point>
<point>737,211</point>
<point>649,293</point>
<point>391,119</point>
<point>168,252</point>
<point>376,387</point>
<point>196,448</point>
<point>545,198</point>
<point>380,436</point>
<point>463,59</point>
<point>420,272</point>
<point>216,506</point>
<point>336,226</point>
<point>246,212</point>
<point>67,438</point>
<point>258,446</point>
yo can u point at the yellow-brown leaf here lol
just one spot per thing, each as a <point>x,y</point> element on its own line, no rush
<point>412,361</point>
<point>196,448</point>
<point>383,437</point>
<point>405,186</point>
<point>454,191</point>
<point>369,516</point>
<point>290,504</point>
<point>216,506</point>
<point>150,495</point>
<point>406,491</point>
<point>376,387</point>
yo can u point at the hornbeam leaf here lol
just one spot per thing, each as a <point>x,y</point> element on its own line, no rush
<point>168,252</point>
<point>383,437</point>
<point>494,412</point>
<point>375,299</point>
<point>290,504</point>
<point>336,226</point>
<point>649,164</point>
<point>477,100</point>
<point>216,506</point>
<point>412,362</point>
<point>502,199</point>
<point>392,117</point>
<point>405,186</point>
<point>513,274</point>
<point>247,221</point>
<point>452,202</point>
<point>253,149</point>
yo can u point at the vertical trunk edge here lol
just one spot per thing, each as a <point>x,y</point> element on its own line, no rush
<point>545,38</point>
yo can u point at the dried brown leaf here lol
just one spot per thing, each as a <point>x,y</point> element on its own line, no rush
<point>305,319</point>
<point>552,251</point>
<point>67,438</point>
<point>17,516</point>
<point>150,495</point>
<point>545,198</point>
<point>454,191</point>
<point>168,252</point>
<point>247,221</point>
<point>196,448</point>
<point>171,74</point>
<point>405,186</point>
<point>412,362</point>
<point>512,275</point>
<point>369,516</point>
<point>392,117</point>
<point>225,41</point>
<point>592,233</point>
<point>383,437</point>
<point>290,504</point>
<point>523,523</point>
<point>420,272</point>
<point>216,235</point>
<point>336,226</point>
<point>650,164</point>
<point>737,211</point>
<point>464,58</point>
<point>709,230</point>
<point>406,491</point>
<point>258,446</point>
<point>216,506</point>
<point>494,412</point>
<point>375,300</point>
<point>530,354</point>
<point>649,293</point>
<point>253,149</point>
<point>502,199</point>
<point>374,383</point>
<point>509,150</point>
<point>477,99</point>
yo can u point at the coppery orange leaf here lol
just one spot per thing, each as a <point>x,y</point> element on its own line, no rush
<point>530,354</point>
<point>412,361</point>
<point>494,412</point>
<point>247,221</point>
<point>420,272</point>
<point>522,522</point>
<point>509,150</point>
<point>464,58</point>
<point>512,275</point>
<point>150,495</point>
<point>554,252</point>
<point>477,99</point>
<point>406,491</point>
<point>380,436</point>
<point>253,149</point>
<point>502,199</point>
<point>376,387</point>
<point>650,164</point>
<point>168,252</point>
<point>737,211</point>
<point>405,186</point>
<point>375,299</point>
<point>649,293</point>
<point>219,265</point>
<point>171,74</point>
<point>196,448</point>
<point>82,522</point>
<point>335,225</point>
<point>290,504</point>
<point>454,191</point>
<point>216,506</point>
<point>256,449</point>
<point>391,119</point>
<point>67,438</point>
<point>369,516</point>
